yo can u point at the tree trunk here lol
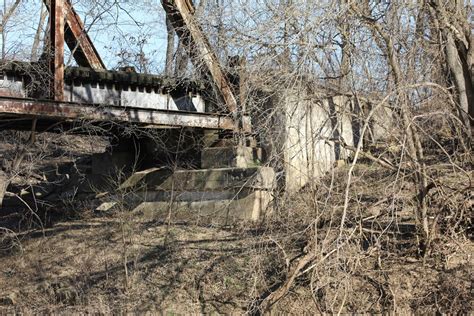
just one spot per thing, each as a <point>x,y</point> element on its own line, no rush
<point>169,48</point>
<point>414,147</point>
<point>459,51</point>
<point>37,39</point>
<point>7,14</point>
<point>181,60</point>
<point>463,86</point>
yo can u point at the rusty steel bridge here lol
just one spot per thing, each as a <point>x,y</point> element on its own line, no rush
<point>49,94</point>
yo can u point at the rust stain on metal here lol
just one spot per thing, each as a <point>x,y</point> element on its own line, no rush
<point>78,40</point>
<point>76,111</point>
<point>57,49</point>
<point>4,92</point>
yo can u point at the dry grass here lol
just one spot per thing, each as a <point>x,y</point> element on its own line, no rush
<point>119,261</point>
<point>78,266</point>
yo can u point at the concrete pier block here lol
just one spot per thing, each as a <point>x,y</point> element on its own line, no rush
<point>251,207</point>
<point>215,196</point>
<point>235,156</point>
<point>202,180</point>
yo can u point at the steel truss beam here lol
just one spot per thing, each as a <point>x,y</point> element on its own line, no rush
<point>78,40</point>
<point>181,15</point>
<point>61,111</point>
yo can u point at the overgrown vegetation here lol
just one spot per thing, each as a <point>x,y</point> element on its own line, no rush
<point>386,229</point>
<point>294,262</point>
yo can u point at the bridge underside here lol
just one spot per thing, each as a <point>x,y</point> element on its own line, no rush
<point>229,182</point>
<point>105,97</point>
<point>17,113</point>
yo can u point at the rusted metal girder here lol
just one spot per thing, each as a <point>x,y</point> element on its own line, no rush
<point>78,40</point>
<point>56,57</point>
<point>62,111</point>
<point>181,15</point>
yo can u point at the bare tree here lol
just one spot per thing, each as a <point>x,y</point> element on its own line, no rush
<point>39,32</point>
<point>8,11</point>
<point>451,20</point>
<point>170,48</point>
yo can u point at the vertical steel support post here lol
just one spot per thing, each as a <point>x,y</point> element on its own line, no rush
<point>56,28</point>
<point>77,39</point>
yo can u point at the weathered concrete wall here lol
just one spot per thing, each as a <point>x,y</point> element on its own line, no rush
<point>311,125</point>
<point>212,196</point>
<point>304,139</point>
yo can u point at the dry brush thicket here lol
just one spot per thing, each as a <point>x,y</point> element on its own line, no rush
<point>389,230</point>
<point>411,195</point>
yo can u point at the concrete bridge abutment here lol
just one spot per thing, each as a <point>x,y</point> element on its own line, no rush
<point>206,179</point>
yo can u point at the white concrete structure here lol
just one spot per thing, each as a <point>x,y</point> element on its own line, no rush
<point>307,137</point>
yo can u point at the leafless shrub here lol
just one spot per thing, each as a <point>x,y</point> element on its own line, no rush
<point>350,239</point>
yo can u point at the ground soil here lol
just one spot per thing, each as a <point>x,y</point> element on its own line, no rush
<point>72,259</point>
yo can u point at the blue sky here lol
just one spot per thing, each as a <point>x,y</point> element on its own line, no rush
<point>126,25</point>
<point>114,26</point>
